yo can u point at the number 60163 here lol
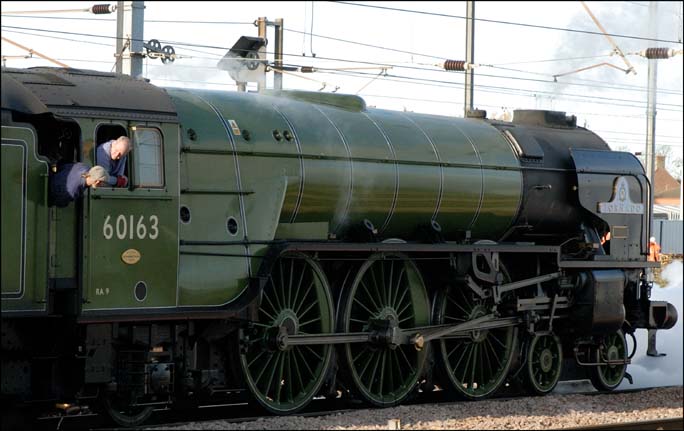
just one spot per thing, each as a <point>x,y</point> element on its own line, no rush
<point>128,228</point>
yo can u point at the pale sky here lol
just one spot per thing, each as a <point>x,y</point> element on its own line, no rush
<point>606,100</point>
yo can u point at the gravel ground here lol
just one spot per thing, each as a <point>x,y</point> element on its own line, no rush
<point>549,412</point>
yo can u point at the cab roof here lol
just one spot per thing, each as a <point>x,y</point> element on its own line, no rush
<point>78,92</point>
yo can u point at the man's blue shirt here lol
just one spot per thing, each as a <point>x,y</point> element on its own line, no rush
<point>68,184</point>
<point>113,167</point>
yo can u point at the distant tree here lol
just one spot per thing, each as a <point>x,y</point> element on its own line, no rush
<point>673,162</point>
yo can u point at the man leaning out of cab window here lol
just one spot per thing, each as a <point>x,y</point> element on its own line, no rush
<point>68,184</point>
<point>112,156</point>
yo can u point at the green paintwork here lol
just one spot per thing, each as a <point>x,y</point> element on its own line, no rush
<point>297,296</point>
<point>475,366</point>
<point>612,348</point>
<point>343,101</point>
<point>64,242</point>
<point>109,282</point>
<point>308,231</point>
<point>386,287</point>
<point>544,363</point>
<point>217,274</point>
<point>398,170</point>
<point>341,165</point>
<point>24,223</point>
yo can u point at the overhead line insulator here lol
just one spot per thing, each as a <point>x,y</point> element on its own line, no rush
<point>101,9</point>
<point>457,65</point>
<point>658,53</point>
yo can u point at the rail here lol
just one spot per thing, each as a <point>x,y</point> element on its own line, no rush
<point>651,424</point>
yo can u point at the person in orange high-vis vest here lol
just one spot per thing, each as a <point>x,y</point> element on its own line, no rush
<point>653,250</point>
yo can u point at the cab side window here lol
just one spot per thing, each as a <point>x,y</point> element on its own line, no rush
<point>148,161</point>
<point>104,134</point>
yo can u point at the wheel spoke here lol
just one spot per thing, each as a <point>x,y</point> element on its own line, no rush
<point>403,355</point>
<point>382,371</point>
<point>299,286</point>
<point>282,283</point>
<point>368,294</point>
<point>451,352</point>
<point>381,267</point>
<point>453,301</point>
<point>375,282</point>
<point>303,313</point>
<point>280,382</point>
<point>495,338</point>
<point>467,364</point>
<point>389,283</point>
<point>273,370</point>
<point>275,293</point>
<point>474,365</point>
<point>394,303</point>
<point>304,360</point>
<point>394,368</point>
<point>296,368</point>
<point>375,369</point>
<point>258,379</point>
<point>314,352</point>
<point>368,362</point>
<point>408,304</point>
<point>268,299</point>
<point>488,360</point>
<point>405,319</point>
<point>491,346</point>
<point>299,306</point>
<point>256,357</point>
<point>370,313</point>
<point>289,381</point>
<point>466,300</point>
<point>267,314</point>
<point>317,319</point>
<point>357,356</point>
<point>401,300</point>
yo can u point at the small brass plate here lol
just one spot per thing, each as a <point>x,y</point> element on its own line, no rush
<point>130,256</point>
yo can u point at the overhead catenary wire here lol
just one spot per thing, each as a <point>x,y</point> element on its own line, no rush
<point>663,91</point>
<point>154,21</point>
<point>455,103</point>
<point>504,77</point>
<point>304,33</point>
<point>485,88</point>
<point>216,83</point>
<point>508,88</point>
<point>98,9</point>
<point>32,51</point>
<point>455,85</point>
<point>543,27</point>
<point>320,81</point>
<point>630,68</point>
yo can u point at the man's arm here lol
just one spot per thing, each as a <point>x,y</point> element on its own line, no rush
<point>120,167</point>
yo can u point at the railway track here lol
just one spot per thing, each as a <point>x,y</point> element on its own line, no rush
<point>245,412</point>
<point>657,424</point>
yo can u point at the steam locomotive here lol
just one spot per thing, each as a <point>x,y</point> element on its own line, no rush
<point>292,244</point>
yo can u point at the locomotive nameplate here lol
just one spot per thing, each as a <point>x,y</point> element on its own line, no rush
<point>130,256</point>
<point>620,203</point>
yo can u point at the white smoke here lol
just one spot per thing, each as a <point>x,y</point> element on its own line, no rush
<point>649,371</point>
<point>198,73</point>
